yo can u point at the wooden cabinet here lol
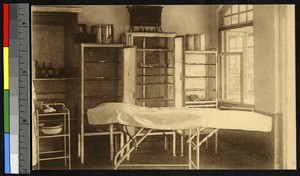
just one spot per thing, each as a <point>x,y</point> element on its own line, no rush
<point>154,67</point>
<point>107,75</point>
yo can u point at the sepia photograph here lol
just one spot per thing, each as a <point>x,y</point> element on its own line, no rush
<point>163,87</point>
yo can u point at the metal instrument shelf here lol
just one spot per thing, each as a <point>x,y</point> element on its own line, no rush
<point>62,114</point>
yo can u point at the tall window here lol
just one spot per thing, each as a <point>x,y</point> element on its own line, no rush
<point>237,63</point>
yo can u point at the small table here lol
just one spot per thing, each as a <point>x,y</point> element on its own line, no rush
<point>61,116</point>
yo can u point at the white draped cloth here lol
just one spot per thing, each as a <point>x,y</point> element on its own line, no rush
<point>171,118</point>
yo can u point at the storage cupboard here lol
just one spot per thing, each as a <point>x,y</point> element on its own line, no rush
<point>154,67</point>
<point>196,76</point>
<point>200,78</point>
<point>107,75</point>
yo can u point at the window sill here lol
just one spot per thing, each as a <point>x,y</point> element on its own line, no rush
<point>233,104</point>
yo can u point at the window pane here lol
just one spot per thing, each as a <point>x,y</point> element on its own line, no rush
<point>227,21</point>
<point>232,42</point>
<point>234,19</point>
<point>240,42</point>
<point>250,40</point>
<point>242,8</point>
<point>235,8</point>
<point>250,16</point>
<point>234,88</point>
<point>228,12</point>
<point>242,17</point>
<point>249,7</point>
<point>234,65</point>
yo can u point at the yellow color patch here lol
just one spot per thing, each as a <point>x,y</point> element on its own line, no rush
<point>6,67</point>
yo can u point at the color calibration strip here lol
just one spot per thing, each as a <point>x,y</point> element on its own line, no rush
<point>16,88</point>
<point>6,102</point>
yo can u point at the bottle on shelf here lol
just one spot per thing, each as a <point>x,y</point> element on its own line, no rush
<point>43,70</point>
<point>50,70</point>
<point>37,69</point>
<point>46,71</point>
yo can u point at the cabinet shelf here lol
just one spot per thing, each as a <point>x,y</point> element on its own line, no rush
<point>49,93</point>
<point>153,75</point>
<point>102,79</point>
<point>200,76</point>
<point>201,52</point>
<point>200,89</point>
<point>152,99</point>
<point>103,96</point>
<point>43,136</point>
<point>49,152</point>
<point>201,106</point>
<point>161,66</point>
<point>54,158</point>
<point>52,114</point>
<point>55,79</point>
<point>154,50</point>
<point>199,102</point>
<point>100,133</point>
<point>200,64</point>
<point>153,83</point>
<point>102,62</point>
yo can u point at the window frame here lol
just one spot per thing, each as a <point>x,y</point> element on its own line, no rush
<point>222,48</point>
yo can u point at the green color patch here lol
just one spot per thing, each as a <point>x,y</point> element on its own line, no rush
<point>6,111</point>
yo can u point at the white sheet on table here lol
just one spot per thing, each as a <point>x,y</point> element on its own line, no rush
<point>170,118</point>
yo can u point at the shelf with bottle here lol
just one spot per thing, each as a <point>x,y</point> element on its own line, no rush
<point>47,72</point>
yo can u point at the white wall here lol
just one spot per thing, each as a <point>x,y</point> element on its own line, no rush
<point>265,31</point>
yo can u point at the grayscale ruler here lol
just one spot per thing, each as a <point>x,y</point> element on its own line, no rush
<point>24,89</point>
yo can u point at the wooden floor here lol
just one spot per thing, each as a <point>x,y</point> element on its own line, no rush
<point>229,156</point>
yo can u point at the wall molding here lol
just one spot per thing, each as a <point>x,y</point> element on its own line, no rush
<point>56,9</point>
